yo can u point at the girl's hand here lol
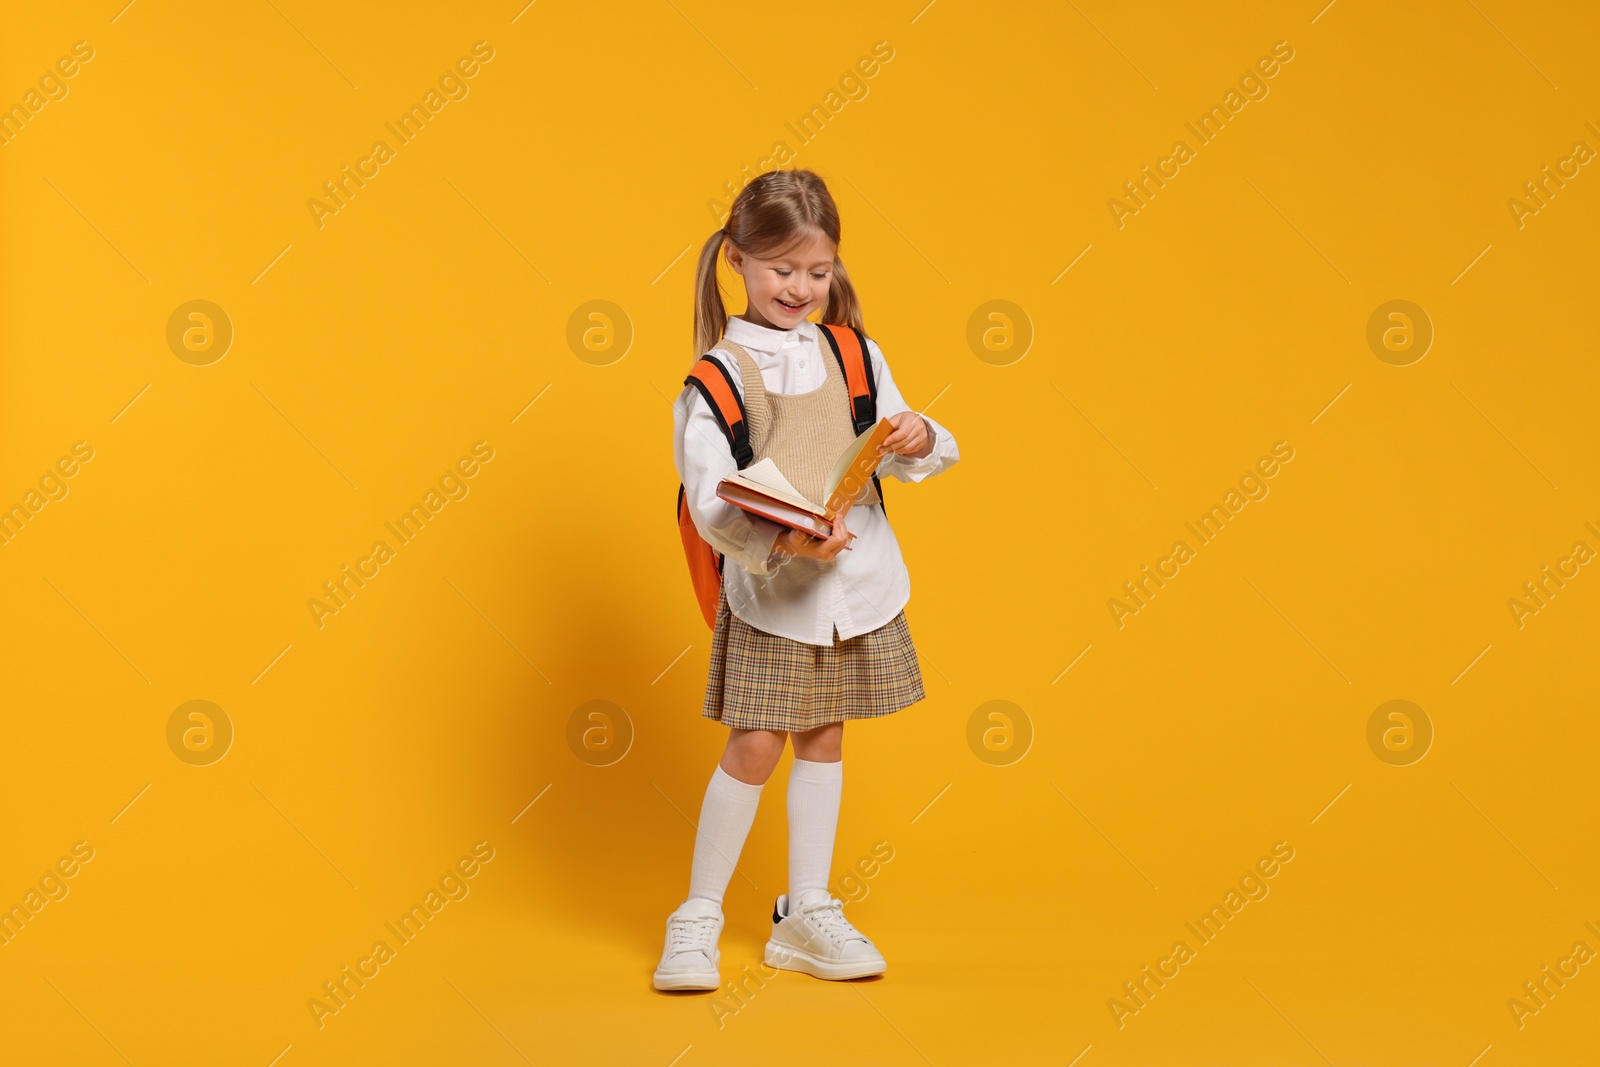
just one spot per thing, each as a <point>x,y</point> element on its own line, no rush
<point>800,543</point>
<point>911,436</point>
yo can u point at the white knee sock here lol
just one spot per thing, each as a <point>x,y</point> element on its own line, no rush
<point>725,818</point>
<point>814,791</point>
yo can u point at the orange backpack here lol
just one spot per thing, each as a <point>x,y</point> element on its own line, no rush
<point>716,385</point>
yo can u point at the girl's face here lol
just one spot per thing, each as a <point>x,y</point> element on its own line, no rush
<point>782,291</point>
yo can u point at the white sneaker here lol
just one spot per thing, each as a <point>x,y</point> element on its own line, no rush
<point>690,958</point>
<point>815,938</point>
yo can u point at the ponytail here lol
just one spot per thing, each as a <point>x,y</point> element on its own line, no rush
<point>844,308</point>
<point>710,316</point>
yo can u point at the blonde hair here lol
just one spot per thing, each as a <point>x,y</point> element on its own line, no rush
<point>774,212</point>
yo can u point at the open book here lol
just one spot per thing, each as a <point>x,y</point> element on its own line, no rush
<point>761,488</point>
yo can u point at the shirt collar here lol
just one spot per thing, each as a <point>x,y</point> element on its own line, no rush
<point>764,338</point>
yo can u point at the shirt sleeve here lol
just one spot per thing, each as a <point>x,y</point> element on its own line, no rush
<point>945,451</point>
<point>703,458</point>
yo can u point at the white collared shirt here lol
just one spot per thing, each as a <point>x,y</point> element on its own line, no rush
<point>805,600</point>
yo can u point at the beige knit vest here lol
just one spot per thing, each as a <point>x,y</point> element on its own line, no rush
<point>803,433</point>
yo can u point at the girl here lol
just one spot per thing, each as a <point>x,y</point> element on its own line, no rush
<point>809,631</point>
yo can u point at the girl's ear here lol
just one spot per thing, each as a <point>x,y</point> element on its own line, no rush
<point>734,256</point>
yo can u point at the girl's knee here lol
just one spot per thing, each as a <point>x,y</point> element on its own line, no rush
<point>752,755</point>
<point>825,744</point>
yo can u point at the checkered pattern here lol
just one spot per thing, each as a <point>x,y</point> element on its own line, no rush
<point>761,681</point>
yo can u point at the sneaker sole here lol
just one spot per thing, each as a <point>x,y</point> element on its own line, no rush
<point>689,980</point>
<point>790,958</point>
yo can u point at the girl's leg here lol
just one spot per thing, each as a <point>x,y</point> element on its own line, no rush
<point>825,744</point>
<point>752,755</point>
<point>729,809</point>
<point>815,787</point>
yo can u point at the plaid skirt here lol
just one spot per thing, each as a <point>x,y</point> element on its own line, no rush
<point>761,681</point>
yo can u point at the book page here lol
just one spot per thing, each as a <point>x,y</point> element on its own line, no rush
<point>767,473</point>
<point>765,477</point>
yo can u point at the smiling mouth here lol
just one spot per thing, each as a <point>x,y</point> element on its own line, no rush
<point>793,307</point>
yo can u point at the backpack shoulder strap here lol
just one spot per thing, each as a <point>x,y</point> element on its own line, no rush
<point>849,347</point>
<point>711,378</point>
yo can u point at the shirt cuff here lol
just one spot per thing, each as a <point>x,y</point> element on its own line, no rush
<point>759,546</point>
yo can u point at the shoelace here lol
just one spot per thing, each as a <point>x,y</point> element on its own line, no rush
<point>829,917</point>
<point>692,933</point>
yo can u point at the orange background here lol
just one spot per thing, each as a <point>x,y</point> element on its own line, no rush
<point>1039,860</point>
